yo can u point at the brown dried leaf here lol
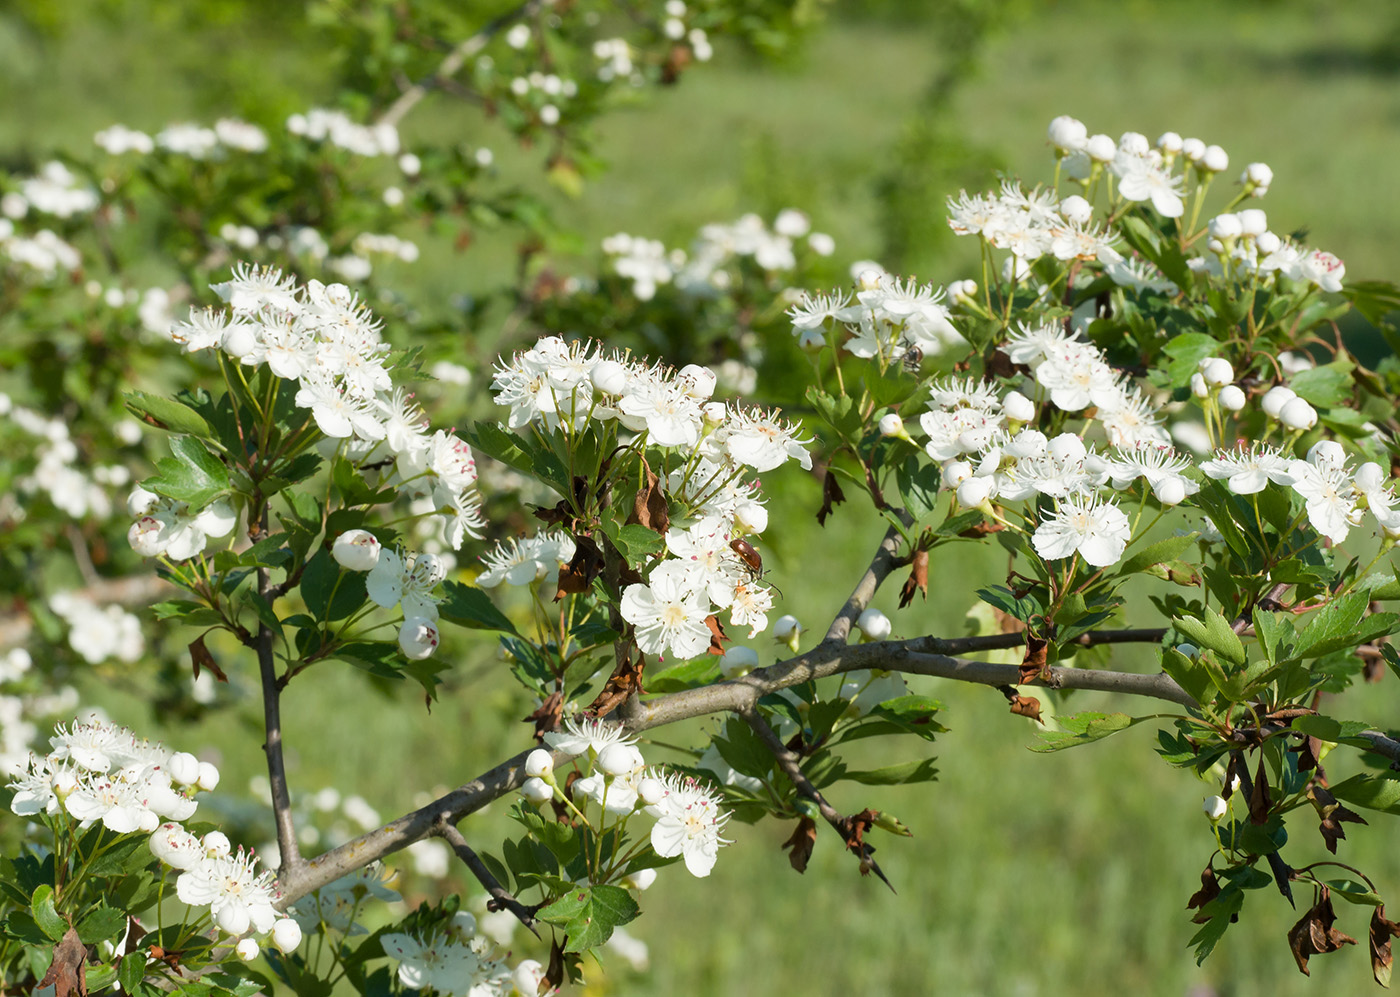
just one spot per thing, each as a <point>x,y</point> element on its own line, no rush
<point>717,635</point>
<point>1314,934</point>
<point>650,508</point>
<point>982,530</point>
<point>831,495</point>
<point>1382,931</point>
<point>200,658</point>
<point>803,839</point>
<point>1027,706</point>
<point>547,717</point>
<point>917,580</point>
<point>578,574</point>
<point>1308,753</point>
<point>1034,666</point>
<point>554,975</point>
<point>1006,623</point>
<point>1260,802</point>
<point>625,680</point>
<point>68,971</point>
<point>1210,889</point>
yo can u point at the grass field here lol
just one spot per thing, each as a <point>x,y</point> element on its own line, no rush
<point>1028,874</point>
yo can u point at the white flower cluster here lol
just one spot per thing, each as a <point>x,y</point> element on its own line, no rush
<point>543,92</point>
<point>458,962</point>
<point>1242,241</point>
<point>98,771</point>
<point>397,581</point>
<point>707,268</point>
<point>526,560</point>
<point>55,191</point>
<point>167,528</point>
<point>674,28</point>
<point>56,474</point>
<point>887,318</point>
<point>321,125</point>
<point>616,58</point>
<point>322,336</point>
<point>338,905</point>
<point>687,814</point>
<point>43,252</point>
<point>1031,224</point>
<point>98,633</point>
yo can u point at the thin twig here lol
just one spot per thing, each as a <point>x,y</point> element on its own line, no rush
<point>500,896</point>
<point>272,746</point>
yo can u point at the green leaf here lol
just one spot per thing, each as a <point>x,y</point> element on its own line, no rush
<point>1354,893</point>
<point>1186,352</point>
<point>167,413</point>
<point>1332,627</point>
<point>1333,731</point>
<point>1083,728</point>
<point>330,591</point>
<point>131,971</point>
<point>1212,632</point>
<point>123,858</point>
<point>48,919</point>
<point>740,747</point>
<point>1024,608</point>
<point>193,475</point>
<point>471,607</point>
<point>1374,792</point>
<point>1324,386</point>
<point>687,675</point>
<point>1163,550</point>
<point>899,774</point>
<point>918,482</point>
<point>100,924</point>
<point>588,916</point>
<point>1190,675</point>
<point>20,925</point>
<point>840,413</point>
<point>1221,909</point>
<point>634,541</point>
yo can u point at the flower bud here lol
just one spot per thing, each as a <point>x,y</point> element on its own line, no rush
<point>874,624</point>
<point>962,291</point>
<point>418,638</point>
<point>208,777</point>
<point>1275,398</point>
<point>1232,398</point>
<point>1267,243</point>
<point>1215,808</point>
<point>539,764</point>
<point>699,382</point>
<point>1256,178</point>
<point>1226,226</point>
<point>234,919</point>
<point>1075,210</point>
<point>1133,143</point>
<point>175,846</point>
<point>811,341</point>
<point>892,425</point>
<point>1169,143</point>
<point>974,491</point>
<point>183,768</point>
<point>1101,148</point>
<point>1297,414</point>
<point>537,791</point>
<point>821,243</point>
<point>527,977</point>
<point>641,879</point>
<point>139,502</point>
<point>787,631</point>
<point>1253,223</point>
<point>216,844</point>
<point>651,791</point>
<point>1215,159</point>
<point>955,472</point>
<point>357,550</point>
<point>715,414</point>
<point>1170,491</point>
<point>145,536</point>
<point>1017,407</point>
<point>247,948</point>
<point>751,516</point>
<point>1067,134</point>
<point>583,788</point>
<point>617,759</point>
<point>869,280</point>
<point>609,377</point>
<point>738,661</point>
<point>286,934</point>
<point>1199,388</point>
<point>1216,371</point>
<point>240,339</point>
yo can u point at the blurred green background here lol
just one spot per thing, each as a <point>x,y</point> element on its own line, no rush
<point>1028,874</point>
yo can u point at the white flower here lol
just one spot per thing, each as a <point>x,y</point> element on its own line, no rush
<point>236,894</point>
<point>688,824</point>
<point>1215,808</point>
<point>1330,498</point>
<point>667,614</point>
<point>586,734</point>
<point>1099,531</point>
<point>394,581</point>
<point>1248,471</point>
<point>286,934</point>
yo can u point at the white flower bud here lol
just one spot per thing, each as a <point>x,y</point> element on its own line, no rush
<point>1067,447</point>
<point>1232,398</point>
<point>145,536</point>
<point>1169,143</point>
<point>234,919</point>
<point>410,164</point>
<point>892,425</point>
<point>139,502</point>
<point>962,291</point>
<point>1215,808</point>
<point>1199,388</point>
<point>1193,149</point>
<point>148,821</point>
<point>738,661</point>
<point>247,948</point>
<point>418,638</point>
<point>585,787</point>
<point>641,879</point>
<point>183,768</point>
<point>609,377</point>
<point>1133,143</point>
<point>1297,414</point>
<point>1076,210</point>
<point>874,624</point>
<point>715,414</point>
<point>1067,134</point>
<point>1170,491</point>
<point>869,280</point>
<point>208,777</point>
<point>64,783</point>
<point>651,791</point>
<point>527,977</point>
<point>1216,371</point>
<point>821,243</point>
<point>1017,407</point>
<point>698,382</point>
<point>537,790</point>
<point>974,491</point>
<point>810,341</point>
<point>176,847</point>
<point>240,340</point>
<point>751,516</point>
<point>1275,398</point>
<point>1215,159</point>
<point>216,844</point>
<point>1258,176</point>
<point>1267,243</point>
<point>1101,148</point>
<point>539,763</point>
<point>616,760</point>
<point>955,472</point>
<point>286,934</point>
<point>787,631</point>
<point>356,550</point>
<point>1254,222</point>
<point>1226,226</point>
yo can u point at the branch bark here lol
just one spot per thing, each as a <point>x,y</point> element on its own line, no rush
<point>500,896</point>
<point>291,859</point>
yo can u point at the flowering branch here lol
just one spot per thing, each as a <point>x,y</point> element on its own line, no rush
<point>501,898</point>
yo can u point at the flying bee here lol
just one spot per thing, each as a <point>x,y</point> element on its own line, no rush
<point>752,559</point>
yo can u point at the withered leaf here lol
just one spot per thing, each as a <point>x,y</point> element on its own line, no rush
<point>1228,789</point>
<point>856,825</point>
<point>650,508</point>
<point>982,530</point>
<point>717,634</point>
<point>1210,889</point>
<point>803,839</point>
<point>1314,934</point>
<point>624,681</point>
<point>917,580</point>
<point>200,658</point>
<point>1260,802</point>
<point>831,495</point>
<point>1026,706</point>
<point>554,975</point>
<point>1382,931</point>
<point>547,717</point>
<point>578,574</point>
<point>1034,666</point>
<point>1308,753</point>
<point>68,971</point>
